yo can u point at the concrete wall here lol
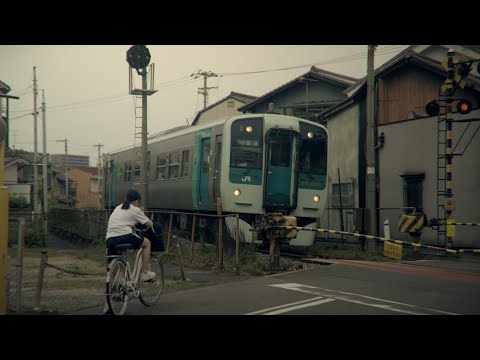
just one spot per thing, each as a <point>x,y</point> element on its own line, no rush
<point>343,154</point>
<point>84,196</point>
<point>220,110</point>
<point>19,189</point>
<point>411,146</point>
<point>11,174</point>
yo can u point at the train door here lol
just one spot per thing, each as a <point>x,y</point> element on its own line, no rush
<point>204,171</point>
<point>280,186</point>
<point>218,162</point>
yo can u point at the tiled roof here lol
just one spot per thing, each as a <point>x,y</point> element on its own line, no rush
<point>341,80</point>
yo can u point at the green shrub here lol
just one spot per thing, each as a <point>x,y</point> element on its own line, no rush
<point>18,201</point>
<point>34,239</point>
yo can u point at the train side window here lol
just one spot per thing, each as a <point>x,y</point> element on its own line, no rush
<point>136,173</point>
<point>128,172</point>
<point>173,165</point>
<point>185,162</point>
<point>161,167</point>
<point>206,158</point>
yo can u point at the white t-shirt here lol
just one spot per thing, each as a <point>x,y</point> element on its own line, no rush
<point>122,220</point>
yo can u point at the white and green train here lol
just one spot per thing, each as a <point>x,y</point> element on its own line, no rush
<point>256,163</point>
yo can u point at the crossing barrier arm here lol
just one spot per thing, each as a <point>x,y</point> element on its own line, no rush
<point>371,237</point>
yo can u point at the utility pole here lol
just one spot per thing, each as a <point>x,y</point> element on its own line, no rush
<point>35,154</point>
<point>3,223</point>
<point>204,91</point>
<point>45,167</point>
<point>66,165</point>
<point>99,173</point>
<point>370,147</point>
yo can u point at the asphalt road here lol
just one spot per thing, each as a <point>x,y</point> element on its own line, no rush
<point>344,287</point>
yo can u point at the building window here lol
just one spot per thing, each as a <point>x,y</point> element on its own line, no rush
<point>412,191</point>
<point>230,103</point>
<point>342,196</point>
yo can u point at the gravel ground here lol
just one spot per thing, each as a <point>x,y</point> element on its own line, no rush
<point>63,292</point>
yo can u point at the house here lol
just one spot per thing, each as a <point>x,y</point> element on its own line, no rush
<point>87,186</point>
<point>19,177</point>
<point>14,170</point>
<point>228,106</point>
<point>306,96</point>
<point>410,146</point>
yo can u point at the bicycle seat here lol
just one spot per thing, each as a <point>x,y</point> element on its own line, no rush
<point>123,247</point>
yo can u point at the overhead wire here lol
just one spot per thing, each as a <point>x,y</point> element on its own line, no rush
<point>389,49</point>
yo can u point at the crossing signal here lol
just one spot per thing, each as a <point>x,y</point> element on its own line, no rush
<point>464,106</point>
<point>432,108</point>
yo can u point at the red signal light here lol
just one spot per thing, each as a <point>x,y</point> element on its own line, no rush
<point>464,106</point>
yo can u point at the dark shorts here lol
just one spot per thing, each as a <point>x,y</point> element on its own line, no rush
<point>134,239</point>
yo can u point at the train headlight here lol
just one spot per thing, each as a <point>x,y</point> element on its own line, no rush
<point>316,198</point>
<point>310,134</point>
<point>237,192</point>
<point>249,129</point>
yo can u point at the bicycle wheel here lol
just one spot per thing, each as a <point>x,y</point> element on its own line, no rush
<point>150,290</point>
<point>117,292</point>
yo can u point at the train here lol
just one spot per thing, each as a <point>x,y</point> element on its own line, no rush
<point>257,164</point>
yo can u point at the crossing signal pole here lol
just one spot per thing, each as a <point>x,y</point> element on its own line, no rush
<point>456,74</point>
<point>449,90</point>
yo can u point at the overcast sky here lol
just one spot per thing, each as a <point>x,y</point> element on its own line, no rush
<point>86,87</point>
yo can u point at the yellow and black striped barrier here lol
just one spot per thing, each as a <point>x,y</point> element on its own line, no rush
<point>371,237</point>
<point>411,223</point>
<point>461,224</point>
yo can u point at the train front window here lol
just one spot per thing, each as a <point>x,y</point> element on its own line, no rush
<point>313,150</point>
<point>280,154</point>
<point>246,143</point>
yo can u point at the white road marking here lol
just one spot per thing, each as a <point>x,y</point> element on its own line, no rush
<point>292,306</point>
<point>362,299</point>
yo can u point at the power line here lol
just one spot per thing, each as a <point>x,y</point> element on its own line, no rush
<point>347,58</point>
<point>188,79</point>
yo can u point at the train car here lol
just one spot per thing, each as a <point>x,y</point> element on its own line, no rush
<point>257,164</point>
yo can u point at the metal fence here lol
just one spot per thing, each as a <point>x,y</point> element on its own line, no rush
<point>79,226</point>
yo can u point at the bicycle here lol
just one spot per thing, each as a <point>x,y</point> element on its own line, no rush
<point>121,281</point>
